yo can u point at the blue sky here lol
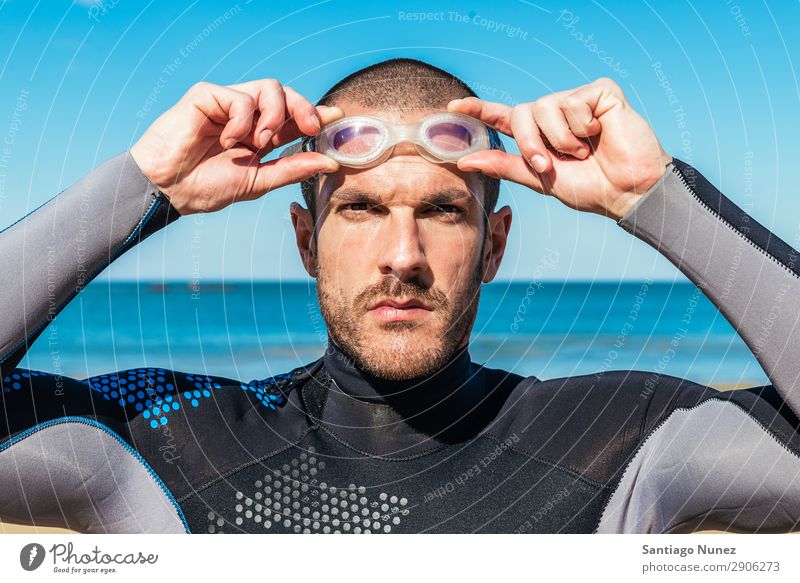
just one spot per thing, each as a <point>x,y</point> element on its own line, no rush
<point>81,81</point>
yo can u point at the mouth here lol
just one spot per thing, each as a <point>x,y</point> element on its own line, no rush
<point>396,310</point>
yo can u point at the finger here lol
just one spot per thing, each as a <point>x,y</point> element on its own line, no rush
<point>496,115</point>
<point>300,110</point>
<point>271,107</point>
<point>280,109</point>
<point>228,107</point>
<point>241,110</point>
<point>578,108</point>
<point>553,125</point>
<point>529,140</point>
<point>280,172</point>
<point>329,113</point>
<point>504,166</point>
<point>289,132</point>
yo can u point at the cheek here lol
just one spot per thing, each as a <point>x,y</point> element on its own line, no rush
<point>452,255</point>
<point>342,255</point>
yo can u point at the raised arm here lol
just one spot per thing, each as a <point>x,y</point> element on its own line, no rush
<point>592,151</point>
<point>729,460</point>
<point>751,275</point>
<point>200,156</point>
<point>52,253</point>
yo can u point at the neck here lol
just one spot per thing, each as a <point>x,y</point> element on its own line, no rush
<point>442,404</point>
<point>423,391</point>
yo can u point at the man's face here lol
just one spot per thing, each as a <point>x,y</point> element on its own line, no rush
<point>401,251</point>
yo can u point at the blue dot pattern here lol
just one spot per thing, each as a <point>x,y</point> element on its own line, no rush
<point>14,381</point>
<point>149,391</point>
<point>158,393</point>
<point>266,390</point>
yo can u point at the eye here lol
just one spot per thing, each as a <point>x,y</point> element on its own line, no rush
<point>356,206</point>
<point>355,210</point>
<point>448,209</point>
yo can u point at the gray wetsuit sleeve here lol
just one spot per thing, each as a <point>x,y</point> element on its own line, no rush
<point>730,462</point>
<point>49,255</point>
<point>751,275</point>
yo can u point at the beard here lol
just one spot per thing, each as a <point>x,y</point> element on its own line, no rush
<point>401,350</point>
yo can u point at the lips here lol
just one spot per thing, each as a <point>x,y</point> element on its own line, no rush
<point>401,305</point>
<point>395,310</point>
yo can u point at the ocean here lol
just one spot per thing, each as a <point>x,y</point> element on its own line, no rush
<point>244,330</point>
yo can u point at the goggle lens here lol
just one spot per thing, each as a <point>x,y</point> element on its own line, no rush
<point>356,140</point>
<point>450,137</point>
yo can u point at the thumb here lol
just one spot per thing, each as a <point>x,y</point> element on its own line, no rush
<point>504,166</point>
<point>280,172</point>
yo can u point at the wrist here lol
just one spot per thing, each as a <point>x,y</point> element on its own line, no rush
<point>136,157</point>
<point>151,164</point>
<point>625,202</point>
<point>622,205</point>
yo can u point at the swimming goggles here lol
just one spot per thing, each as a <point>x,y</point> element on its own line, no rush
<point>363,141</point>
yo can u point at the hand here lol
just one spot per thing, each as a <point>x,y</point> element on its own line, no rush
<point>587,147</point>
<point>205,152</point>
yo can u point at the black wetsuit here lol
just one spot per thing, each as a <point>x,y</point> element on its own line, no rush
<point>326,448</point>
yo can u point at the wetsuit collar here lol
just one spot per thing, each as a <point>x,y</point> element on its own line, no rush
<point>401,418</point>
<point>421,392</point>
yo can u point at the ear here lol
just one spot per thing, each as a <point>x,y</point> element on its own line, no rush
<point>499,227</point>
<point>303,224</point>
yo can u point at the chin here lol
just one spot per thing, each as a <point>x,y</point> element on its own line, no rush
<point>399,352</point>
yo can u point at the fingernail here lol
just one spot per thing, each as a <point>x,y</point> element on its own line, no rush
<point>582,152</point>
<point>265,136</point>
<point>315,122</point>
<point>539,163</point>
<point>229,143</point>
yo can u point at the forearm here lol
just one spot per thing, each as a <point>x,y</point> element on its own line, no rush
<point>51,254</point>
<point>749,273</point>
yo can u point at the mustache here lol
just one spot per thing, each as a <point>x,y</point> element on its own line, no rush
<point>391,287</point>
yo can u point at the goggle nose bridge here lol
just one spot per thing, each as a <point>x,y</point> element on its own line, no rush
<point>404,133</point>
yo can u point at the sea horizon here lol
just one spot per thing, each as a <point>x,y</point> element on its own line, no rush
<point>254,329</point>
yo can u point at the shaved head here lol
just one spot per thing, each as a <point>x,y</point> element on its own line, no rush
<point>397,85</point>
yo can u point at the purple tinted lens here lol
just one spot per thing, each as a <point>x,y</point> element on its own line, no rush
<point>356,140</point>
<point>451,137</point>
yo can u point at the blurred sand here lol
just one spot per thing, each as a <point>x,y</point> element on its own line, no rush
<point>8,528</point>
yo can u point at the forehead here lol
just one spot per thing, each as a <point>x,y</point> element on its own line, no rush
<point>405,172</point>
<point>394,115</point>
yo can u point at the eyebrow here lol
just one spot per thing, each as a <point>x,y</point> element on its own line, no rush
<point>440,197</point>
<point>351,195</point>
<point>449,196</point>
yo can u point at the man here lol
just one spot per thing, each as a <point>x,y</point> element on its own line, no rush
<point>394,429</point>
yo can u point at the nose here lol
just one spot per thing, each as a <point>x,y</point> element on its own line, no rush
<point>402,252</point>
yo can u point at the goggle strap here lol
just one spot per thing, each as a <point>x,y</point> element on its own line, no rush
<point>307,144</point>
<point>494,140</point>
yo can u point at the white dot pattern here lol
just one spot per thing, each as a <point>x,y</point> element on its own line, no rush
<point>296,498</point>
